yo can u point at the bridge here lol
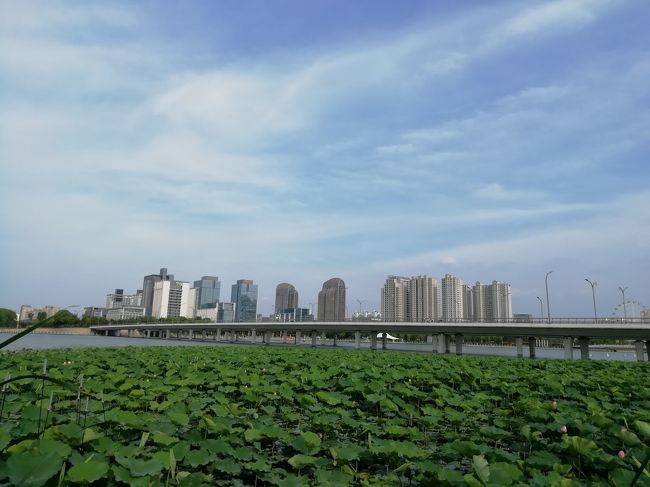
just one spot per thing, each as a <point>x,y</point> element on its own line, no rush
<point>442,335</point>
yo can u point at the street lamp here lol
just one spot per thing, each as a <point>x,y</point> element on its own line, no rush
<point>541,307</point>
<point>360,301</point>
<point>548,305</point>
<point>593,294</point>
<point>623,289</point>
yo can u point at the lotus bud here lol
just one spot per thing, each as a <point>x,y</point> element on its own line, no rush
<point>563,429</point>
<point>554,404</point>
<point>621,454</point>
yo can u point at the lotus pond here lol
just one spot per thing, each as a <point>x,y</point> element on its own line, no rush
<point>291,417</point>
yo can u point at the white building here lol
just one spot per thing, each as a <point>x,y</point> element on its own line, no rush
<point>172,299</point>
<point>423,299</point>
<point>453,302</point>
<point>394,299</point>
<point>125,313</point>
<point>492,302</point>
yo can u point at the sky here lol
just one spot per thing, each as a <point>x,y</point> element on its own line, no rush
<point>293,141</point>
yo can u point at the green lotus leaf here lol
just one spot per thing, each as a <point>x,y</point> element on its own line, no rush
<point>140,468</point>
<point>307,443</point>
<point>32,469</point>
<point>163,439</point>
<point>300,461</point>
<point>88,471</point>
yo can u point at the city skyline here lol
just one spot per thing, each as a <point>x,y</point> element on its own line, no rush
<point>317,139</point>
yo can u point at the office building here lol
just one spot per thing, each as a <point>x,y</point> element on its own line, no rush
<point>225,312</point>
<point>124,313</point>
<point>244,296</point>
<point>171,299</point>
<point>286,297</point>
<point>208,291</point>
<point>148,287</point>
<point>291,315</point>
<point>453,306</point>
<point>331,300</point>
<point>119,299</point>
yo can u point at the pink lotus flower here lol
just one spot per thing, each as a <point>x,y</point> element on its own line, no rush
<point>563,429</point>
<point>621,454</point>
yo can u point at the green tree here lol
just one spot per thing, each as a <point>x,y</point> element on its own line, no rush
<point>41,316</point>
<point>62,318</point>
<point>7,318</point>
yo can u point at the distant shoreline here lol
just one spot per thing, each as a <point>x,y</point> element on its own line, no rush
<point>52,331</point>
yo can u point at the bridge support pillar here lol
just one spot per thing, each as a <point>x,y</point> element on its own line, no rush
<point>284,336</point>
<point>231,336</point>
<point>335,342</point>
<point>253,335</point>
<point>297,338</point>
<point>442,343</point>
<point>434,343</point>
<point>217,335</point>
<point>531,347</point>
<point>203,334</point>
<point>519,343</point>
<point>584,348</point>
<point>267,337</point>
<point>190,334</point>
<point>373,340</point>
<point>357,339</point>
<point>567,342</point>
<point>638,349</point>
<point>130,333</point>
<point>458,341</point>
<point>323,336</point>
<point>383,341</point>
<point>647,349</point>
<point>313,338</point>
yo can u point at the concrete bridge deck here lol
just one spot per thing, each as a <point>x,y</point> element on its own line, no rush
<point>443,335</point>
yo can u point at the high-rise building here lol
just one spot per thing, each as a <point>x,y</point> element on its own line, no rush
<point>172,299</point>
<point>208,291</point>
<point>492,302</point>
<point>244,295</point>
<point>119,299</point>
<point>331,300</point>
<point>452,299</point>
<point>423,299</point>
<point>395,299</point>
<point>410,299</point>
<point>147,288</point>
<point>286,297</point>
<point>468,303</point>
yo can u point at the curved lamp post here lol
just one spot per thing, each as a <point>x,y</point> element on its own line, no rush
<point>548,304</point>
<point>360,301</point>
<point>593,295</point>
<point>623,289</point>
<point>541,307</point>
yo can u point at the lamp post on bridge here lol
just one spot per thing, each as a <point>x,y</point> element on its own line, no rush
<point>548,305</point>
<point>623,289</point>
<point>593,295</point>
<point>360,301</point>
<point>541,308</point>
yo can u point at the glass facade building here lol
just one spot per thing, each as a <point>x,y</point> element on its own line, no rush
<point>208,289</point>
<point>244,295</point>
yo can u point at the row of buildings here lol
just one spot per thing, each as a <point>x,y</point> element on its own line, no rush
<point>162,297</point>
<point>420,299</point>
<point>414,299</point>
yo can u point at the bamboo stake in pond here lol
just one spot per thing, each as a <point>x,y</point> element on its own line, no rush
<point>40,401</point>
<point>4,394</point>
<point>47,414</point>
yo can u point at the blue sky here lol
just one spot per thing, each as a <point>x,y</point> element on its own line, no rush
<point>295,141</point>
